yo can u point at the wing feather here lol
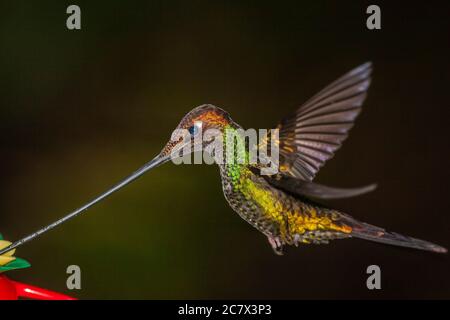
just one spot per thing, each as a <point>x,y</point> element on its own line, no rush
<point>312,134</point>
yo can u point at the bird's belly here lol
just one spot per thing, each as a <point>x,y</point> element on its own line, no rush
<point>249,208</point>
<point>279,215</point>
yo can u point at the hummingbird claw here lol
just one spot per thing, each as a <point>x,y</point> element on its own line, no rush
<point>276,245</point>
<point>296,239</point>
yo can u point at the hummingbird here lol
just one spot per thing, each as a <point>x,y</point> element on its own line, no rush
<point>283,206</point>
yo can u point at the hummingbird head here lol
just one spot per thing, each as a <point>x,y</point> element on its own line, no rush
<point>193,125</point>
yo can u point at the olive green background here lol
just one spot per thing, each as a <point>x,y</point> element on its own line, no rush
<point>82,109</point>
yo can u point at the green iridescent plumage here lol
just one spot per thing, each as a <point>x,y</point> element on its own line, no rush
<point>282,218</point>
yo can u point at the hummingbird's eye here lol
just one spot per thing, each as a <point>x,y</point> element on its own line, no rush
<point>193,130</point>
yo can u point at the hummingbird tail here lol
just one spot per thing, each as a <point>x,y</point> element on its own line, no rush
<point>372,233</point>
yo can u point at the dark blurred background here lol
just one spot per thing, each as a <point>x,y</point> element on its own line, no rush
<point>82,109</point>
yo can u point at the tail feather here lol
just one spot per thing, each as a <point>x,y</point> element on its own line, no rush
<point>372,233</point>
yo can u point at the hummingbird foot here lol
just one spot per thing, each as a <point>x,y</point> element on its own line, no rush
<point>296,239</point>
<point>276,244</point>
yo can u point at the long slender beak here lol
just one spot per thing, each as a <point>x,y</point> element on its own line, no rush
<point>148,166</point>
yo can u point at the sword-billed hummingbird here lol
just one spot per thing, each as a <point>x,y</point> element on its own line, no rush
<point>280,205</point>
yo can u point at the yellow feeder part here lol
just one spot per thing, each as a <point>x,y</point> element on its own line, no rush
<point>8,256</point>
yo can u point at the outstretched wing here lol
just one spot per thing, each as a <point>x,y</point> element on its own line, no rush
<point>310,189</point>
<point>317,129</point>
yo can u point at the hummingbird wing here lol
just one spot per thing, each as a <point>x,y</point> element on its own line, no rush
<point>312,134</point>
<point>314,190</point>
